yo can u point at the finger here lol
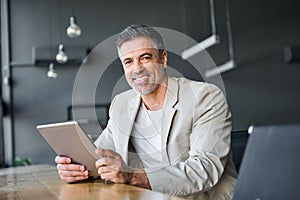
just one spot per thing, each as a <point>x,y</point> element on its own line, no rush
<point>73,173</point>
<point>70,167</point>
<point>113,177</point>
<point>62,160</point>
<point>104,161</point>
<point>103,170</point>
<point>107,153</point>
<point>108,176</point>
<point>73,179</point>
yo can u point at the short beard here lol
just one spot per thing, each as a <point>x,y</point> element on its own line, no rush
<point>148,90</point>
<point>149,87</point>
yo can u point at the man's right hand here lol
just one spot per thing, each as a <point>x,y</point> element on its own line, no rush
<point>69,172</point>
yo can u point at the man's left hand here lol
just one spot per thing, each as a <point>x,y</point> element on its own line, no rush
<point>112,167</point>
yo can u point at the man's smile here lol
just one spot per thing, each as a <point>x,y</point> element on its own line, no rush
<point>141,80</point>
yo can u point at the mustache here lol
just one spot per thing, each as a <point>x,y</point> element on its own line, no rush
<point>139,74</point>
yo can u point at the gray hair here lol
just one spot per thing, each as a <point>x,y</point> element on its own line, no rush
<point>135,31</point>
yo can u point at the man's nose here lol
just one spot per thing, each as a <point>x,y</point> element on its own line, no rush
<point>137,66</point>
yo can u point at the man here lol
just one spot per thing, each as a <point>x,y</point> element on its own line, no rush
<point>166,134</point>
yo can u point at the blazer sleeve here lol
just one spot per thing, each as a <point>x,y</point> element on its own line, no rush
<point>208,152</point>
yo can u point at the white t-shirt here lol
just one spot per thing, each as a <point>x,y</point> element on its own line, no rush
<point>146,137</point>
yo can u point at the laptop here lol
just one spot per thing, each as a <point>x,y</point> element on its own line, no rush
<point>270,168</point>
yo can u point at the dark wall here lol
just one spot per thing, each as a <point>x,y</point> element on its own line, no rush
<point>262,88</point>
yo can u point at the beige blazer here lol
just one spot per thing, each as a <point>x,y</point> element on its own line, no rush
<point>195,140</point>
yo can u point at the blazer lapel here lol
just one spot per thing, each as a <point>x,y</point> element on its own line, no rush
<point>125,127</point>
<point>169,112</point>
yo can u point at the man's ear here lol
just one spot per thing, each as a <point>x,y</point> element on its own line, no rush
<point>164,58</point>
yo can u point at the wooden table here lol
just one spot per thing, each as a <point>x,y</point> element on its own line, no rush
<point>42,182</point>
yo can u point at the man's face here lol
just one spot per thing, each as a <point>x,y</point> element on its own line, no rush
<point>143,66</point>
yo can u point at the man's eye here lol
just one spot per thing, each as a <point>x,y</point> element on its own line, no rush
<point>146,58</point>
<point>127,62</point>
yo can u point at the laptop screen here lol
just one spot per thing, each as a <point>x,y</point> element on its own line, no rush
<point>270,167</point>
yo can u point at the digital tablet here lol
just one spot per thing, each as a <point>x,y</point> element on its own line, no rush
<point>68,139</point>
